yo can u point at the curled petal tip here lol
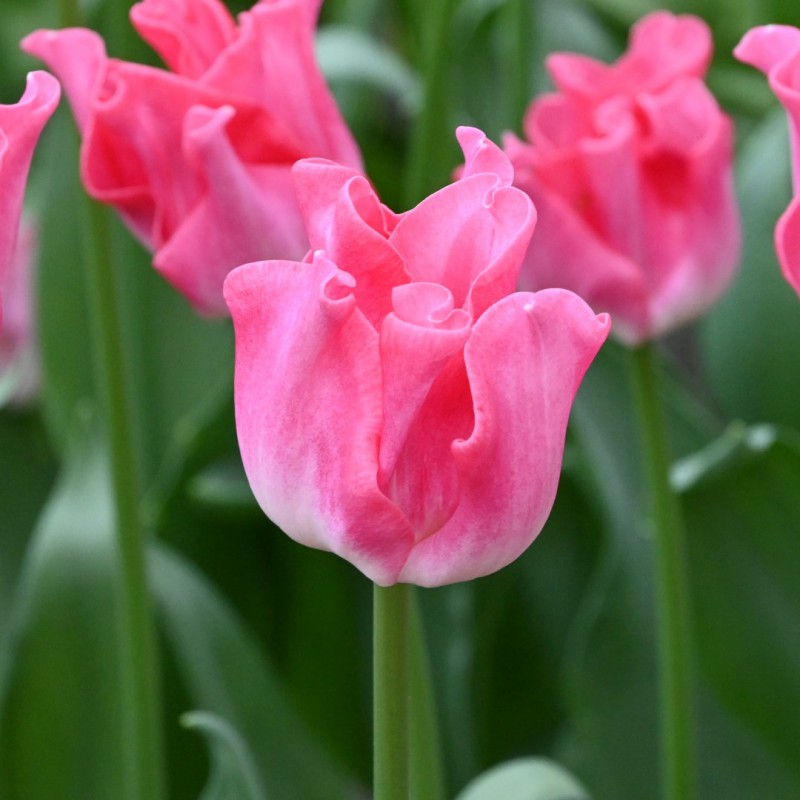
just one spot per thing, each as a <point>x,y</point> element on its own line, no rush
<point>767,46</point>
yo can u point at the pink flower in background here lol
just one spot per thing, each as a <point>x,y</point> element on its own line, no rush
<point>775,50</point>
<point>20,126</point>
<point>394,403</point>
<point>198,159</point>
<point>19,352</point>
<point>630,168</point>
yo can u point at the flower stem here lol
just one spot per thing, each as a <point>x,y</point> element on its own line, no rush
<point>391,692</point>
<point>141,716</point>
<point>674,637</point>
<point>427,778</point>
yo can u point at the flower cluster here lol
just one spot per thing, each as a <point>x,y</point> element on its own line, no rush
<point>397,401</point>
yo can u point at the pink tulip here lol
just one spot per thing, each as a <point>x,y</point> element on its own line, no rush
<point>395,404</point>
<point>20,126</point>
<point>775,50</point>
<point>630,167</point>
<point>197,160</point>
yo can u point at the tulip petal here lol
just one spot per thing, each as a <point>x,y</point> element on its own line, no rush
<point>187,34</point>
<point>787,243</point>
<point>470,237</point>
<point>20,126</point>
<point>566,253</point>
<point>345,219</point>
<point>272,65</point>
<point>309,411</point>
<point>243,214</point>
<point>78,58</point>
<point>663,47</point>
<point>481,154</point>
<point>525,359</point>
<point>421,355</point>
<point>767,46</point>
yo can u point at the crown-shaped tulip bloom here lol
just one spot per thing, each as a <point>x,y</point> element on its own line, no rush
<point>775,50</point>
<point>198,159</point>
<point>630,167</point>
<point>20,126</point>
<point>396,403</point>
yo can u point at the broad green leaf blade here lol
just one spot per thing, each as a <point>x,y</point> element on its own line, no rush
<point>233,774</point>
<point>525,779</point>
<point>227,675</point>
<point>611,743</point>
<point>745,556</point>
<point>60,689</point>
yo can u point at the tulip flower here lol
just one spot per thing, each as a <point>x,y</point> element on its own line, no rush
<point>20,126</point>
<point>396,403</point>
<point>630,168</point>
<point>775,50</point>
<point>197,159</point>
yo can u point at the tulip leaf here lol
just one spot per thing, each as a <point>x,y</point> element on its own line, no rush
<point>233,773</point>
<point>611,677</point>
<point>226,674</point>
<point>60,683</point>
<point>525,779</point>
<point>348,54</point>
<point>745,559</point>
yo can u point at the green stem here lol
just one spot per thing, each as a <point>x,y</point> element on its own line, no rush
<point>391,692</point>
<point>674,636</point>
<point>431,139</point>
<point>141,709</point>
<point>427,778</point>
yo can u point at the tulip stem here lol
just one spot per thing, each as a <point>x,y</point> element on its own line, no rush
<point>674,635</point>
<point>391,692</point>
<point>427,777</point>
<point>141,716</point>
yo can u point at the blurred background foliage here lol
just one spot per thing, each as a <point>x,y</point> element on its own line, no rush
<point>553,656</point>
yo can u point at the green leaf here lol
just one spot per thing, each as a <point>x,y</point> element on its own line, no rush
<point>611,679</point>
<point>745,557</point>
<point>525,779</point>
<point>233,773</point>
<point>348,54</point>
<point>60,685</point>
<point>226,674</point>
